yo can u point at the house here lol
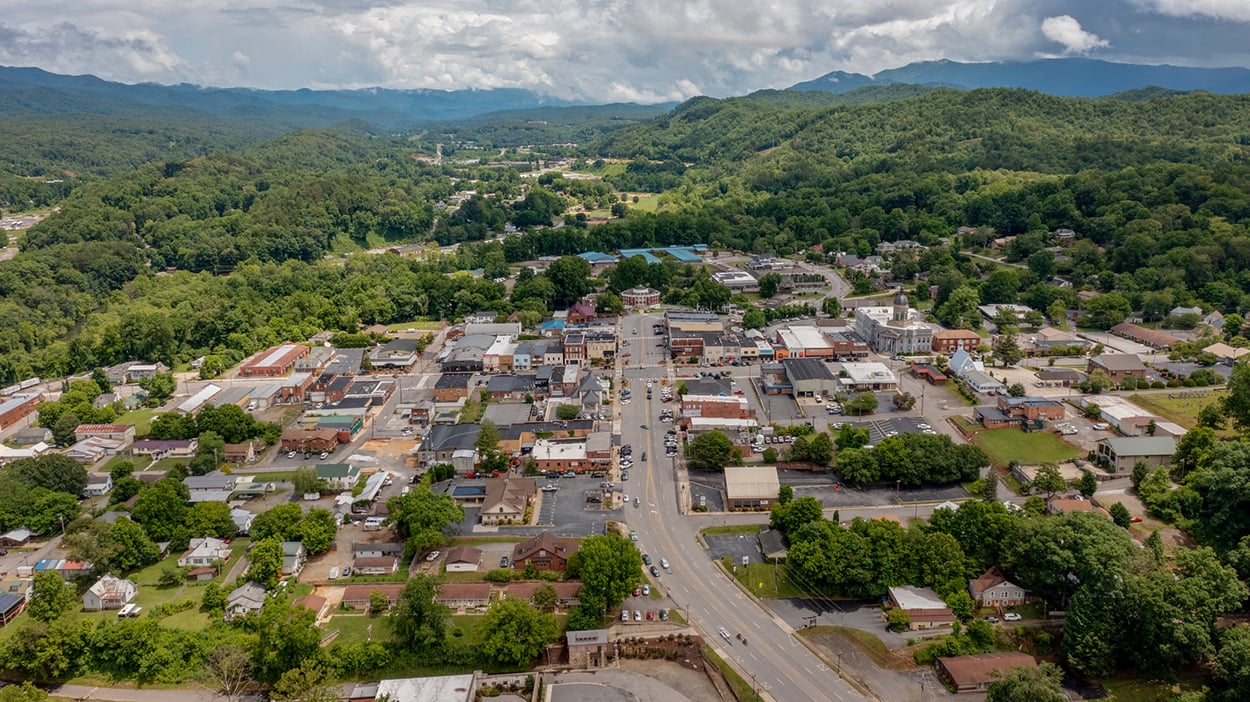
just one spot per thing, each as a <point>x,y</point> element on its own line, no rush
<point>312,603</point>
<point>1225,353</point>
<point>294,555</point>
<point>993,589</point>
<point>244,600</point>
<point>206,551</point>
<point>544,551</point>
<point>16,538</point>
<point>923,606</point>
<point>210,487</point>
<point>357,596</point>
<point>378,550</point>
<point>108,593</point>
<point>158,449</point>
<point>975,673</point>
<point>93,449</point>
<point>507,500</point>
<point>338,476</point>
<point>773,545</point>
<point>1061,504</point>
<point>1118,366</point>
<point>589,649</point>
<point>990,312</point>
<point>242,520</point>
<point>461,596</point>
<point>443,440</point>
<point>581,313</point>
<point>751,487</point>
<point>384,565</point>
<point>1120,454</point>
<point>463,559</point>
<point>239,453</point>
<point>98,485</point>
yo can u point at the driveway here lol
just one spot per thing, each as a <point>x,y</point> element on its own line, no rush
<point>733,546</point>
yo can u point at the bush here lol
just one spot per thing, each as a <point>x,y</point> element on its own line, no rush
<point>498,575</point>
<point>897,620</point>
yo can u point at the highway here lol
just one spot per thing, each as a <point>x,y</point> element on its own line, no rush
<point>778,664</point>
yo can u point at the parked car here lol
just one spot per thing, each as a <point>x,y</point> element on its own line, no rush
<point>646,560</point>
<point>624,615</point>
<point>664,563</point>
<point>637,615</point>
<point>503,562</point>
<point>1012,617</point>
<point>655,572</point>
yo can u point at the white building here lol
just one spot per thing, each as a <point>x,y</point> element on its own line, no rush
<point>893,329</point>
<point>867,377</point>
<point>740,281</point>
<point>205,551</point>
<point>108,593</point>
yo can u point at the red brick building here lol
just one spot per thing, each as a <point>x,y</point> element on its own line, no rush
<point>18,407</point>
<point>545,551</point>
<point>951,340</point>
<point>733,407</point>
<point>277,361</point>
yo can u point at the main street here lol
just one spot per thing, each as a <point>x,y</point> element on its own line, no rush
<point>778,664</point>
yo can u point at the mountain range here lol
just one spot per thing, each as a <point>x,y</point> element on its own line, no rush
<point>1071,77</point>
<point>35,91</point>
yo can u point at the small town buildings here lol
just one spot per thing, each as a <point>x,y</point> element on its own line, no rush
<point>357,596</point>
<point>338,476</point>
<point>891,330</point>
<point>737,281</point>
<point>1118,366</point>
<point>17,407</point>
<point>309,440</point>
<point>589,649</point>
<point>993,589</point>
<point>923,606</point>
<point>215,486</point>
<point>809,377</point>
<point>727,407</point>
<point>98,484</point>
<point>108,593</point>
<point>242,520</point>
<point>16,538</point>
<point>1061,504</point>
<point>12,605</point>
<point>866,377</point>
<point>975,673</point>
<point>274,362</point>
<point>972,372</point>
<point>1060,377</point>
<point>640,297</point>
<point>803,341</point>
<point>948,341</point>
<point>928,372</point>
<point>508,500</point>
<point>444,440</point>
<point>382,565</point>
<point>990,312</point>
<point>398,353</point>
<point>463,559</point>
<point>463,596</point>
<point>205,551</point>
<point>93,449</point>
<point>438,688</point>
<point>158,449</point>
<point>451,387</point>
<point>239,453</point>
<point>545,552</point>
<point>245,599</point>
<point>1153,338</point>
<point>1120,454</point>
<point>118,432</point>
<point>294,555</point>
<point>751,487</point>
<point>560,455</point>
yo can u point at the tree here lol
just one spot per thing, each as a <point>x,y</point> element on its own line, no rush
<point>424,517</point>
<point>769,455</point>
<point>93,544</point>
<point>488,437</point>
<point>711,451</point>
<point>1029,684</point>
<point>227,669</point>
<point>785,495</point>
<point>162,510</point>
<point>861,404</point>
<point>857,466</point>
<point>897,620</point>
<point>305,481</point>
<point>768,284</point>
<point>571,277</point>
<point>50,510</point>
<point>229,421</point>
<point>960,309</point>
<point>820,449</point>
<point>1236,403</point>
<point>26,692</point>
<point>1232,664</point>
<point>851,436</point>
<point>1048,479</point>
<point>789,517</point>
<point>1088,484</point>
<point>1058,313</point>
<point>281,522</point>
<point>754,319</point>
<point>1105,311</point>
<point>903,401</point>
<point>214,598</point>
<point>50,596</point>
<point>831,306</point>
<point>209,453</point>
<point>378,602</point>
<point>159,387</point>
<point>1008,350</point>
<point>63,430</point>
<point>1120,515</point>
<point>545,597</point>
<point>211,519</point>
<point>418,623</point>
<point>961,603</point>
<point>1016,390</point>
<point>516,633</point>
<point>265,560</point>
<point>52,471</point>
<point>317,530</point>
<point>608,565</point>
<point>173,426</point>
<point>212,366</point>
<point>567,412</point>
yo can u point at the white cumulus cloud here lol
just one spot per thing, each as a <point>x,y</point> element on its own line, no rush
<point>1235,10</point>
<point>1064,29</point>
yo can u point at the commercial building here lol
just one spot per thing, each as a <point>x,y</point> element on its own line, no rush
<point>545,552</point>
<point>949,341</point>
<point>560,455</point>
<point>737,281</point>
<point>923,606</point>
<point>751,487</point>
<point>18,407</point>
<point>507,500</point>
<point>278,360</point>
<point>640,297</point>
<point>1118,366</point>
<point>731,407</point>
<point>802,341</point>
<point>1120,454</point>
<point>809,377</point>
<point>866,377</point>
<point>975,673</point>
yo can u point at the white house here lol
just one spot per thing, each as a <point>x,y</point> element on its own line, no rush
<point>205,552</point>
<point>242,519</point>
<point>245,599</point>
<point>972,372</point>
<point>98,485</point>
<point>108,593</point>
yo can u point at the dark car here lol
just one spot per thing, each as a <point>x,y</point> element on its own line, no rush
<point>644,455</point>
<point>646,559</point>
<point>655,572</point>
<point>503,561</point>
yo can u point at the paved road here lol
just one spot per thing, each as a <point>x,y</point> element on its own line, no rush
<point>781,666</point>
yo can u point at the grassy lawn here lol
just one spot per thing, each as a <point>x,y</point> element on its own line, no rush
<point>1006,445</point>
<point>1184,411</point>
<point>270,476</point>
<point>1140,690</point>
<point>169,463</point>
<point>141,418</point>
<point>420,325</point>
<point>742,689</point>
<point>764,579</point>
<point>356,628</point>
<point>731,529</point>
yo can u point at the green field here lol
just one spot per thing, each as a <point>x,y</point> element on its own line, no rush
<point>141,418</point>
<point>1006,445</point>
<point>731,529</point>
<point>764,580</point>
<point>1182,410</point>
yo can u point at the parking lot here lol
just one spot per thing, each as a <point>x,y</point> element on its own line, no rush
<point>564,512</point>
<point>733,546</point>
<point>708,490</point>
<point>881,427</point>
<point>833,493</point>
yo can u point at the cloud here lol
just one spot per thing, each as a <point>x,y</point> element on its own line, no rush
<point>1235,10</point>
<point>597,50</point>
<point>1065,30</point>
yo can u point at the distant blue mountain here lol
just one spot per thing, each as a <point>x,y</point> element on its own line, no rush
<point>1062,76</point>
<point>32,90</point>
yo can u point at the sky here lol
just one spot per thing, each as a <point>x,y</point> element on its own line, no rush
<point>593,50</point>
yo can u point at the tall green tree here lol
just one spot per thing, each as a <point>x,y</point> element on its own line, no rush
<point>711,451</point>
<point>50,596</point>
<point>1029,684</point>
<point>424,518</point>
<point>516,633</point>
<point>418,623</point>
<point>608,566</point>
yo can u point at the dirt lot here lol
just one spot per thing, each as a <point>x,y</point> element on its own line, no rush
<point>687,678</point>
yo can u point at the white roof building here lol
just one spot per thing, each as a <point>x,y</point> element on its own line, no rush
<point>801,339</point>
<point>441,688</point>
<point>193,404</point>
<point>860,377</point>
<point>545,450</point>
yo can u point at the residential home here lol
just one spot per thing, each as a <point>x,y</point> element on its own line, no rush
<point>240,453</point>
<point>16,538</point>
<point>462,596</point>
<point>108,593</point>
<point>202,574</point>
<point>338,476</point>
<point>545,551</point>
<point>444,440</point>
<point>244,600</point>
<point>378,550</point>
<point>1118,366</point>
<point>975,673</point>
<point>158,449</point>
<point>993,589</point>
<point>294,555</point>
<point>507,500</point>
<point>925,608</point>
<point>98,484</point>
<point>463,559</point>
<point>1062,504</point>
<point>94,449</point>
<point>206,551</point>
<point>309,440</point>
<point>482,317</point>
<point>215,486</point>
<point>566,592</point>
<point>242,520</point>
<point>357,596</point>
<point>312,603</point>
<point>384,565</point>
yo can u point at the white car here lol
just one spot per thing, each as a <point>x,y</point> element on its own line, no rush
<point>664,563</point>
<point>723,632</point>
<point>1012,617</point>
